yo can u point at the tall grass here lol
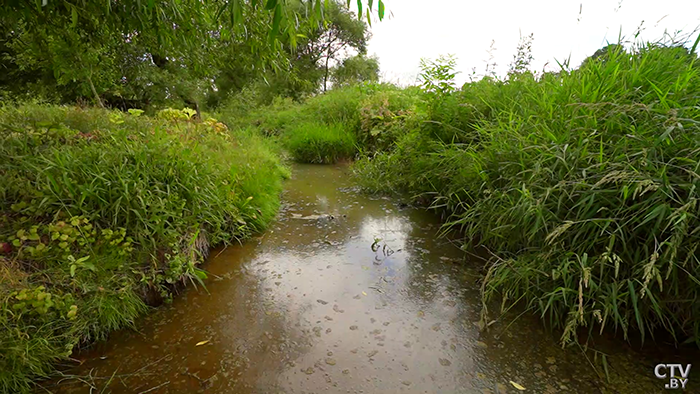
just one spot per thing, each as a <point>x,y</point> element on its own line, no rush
<point>319,143</point>
<point>371,116</point>
<point>100,211</point>
<point>583,184</point>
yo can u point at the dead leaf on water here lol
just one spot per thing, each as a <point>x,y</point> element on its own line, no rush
<point>202,343</point>
<point>517,386</point>
<point>308,371</point>
<point>421,313</point>
<point>364,294</point>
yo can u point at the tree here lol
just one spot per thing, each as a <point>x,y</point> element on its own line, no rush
<point>127,65</point>
<point>341,32</point>
<point>310,62</point>
<point>354,70</point>
<point>169,15</point>
<point>141,52</point>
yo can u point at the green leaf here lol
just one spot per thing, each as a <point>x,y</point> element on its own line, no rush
<point>276,19</point>
<point>695,46</point>
<point>359,9</point>
<point>381,10</point>
<point>271,4</point>
<point>637,314</point>
<point>72,270</point>
<point>237,12</point>
<point>74,16</point>
<point>369,18</point>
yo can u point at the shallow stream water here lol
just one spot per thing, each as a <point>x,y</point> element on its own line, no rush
<point>368,301</point>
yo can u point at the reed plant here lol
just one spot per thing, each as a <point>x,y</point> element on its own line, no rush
<point>583,184</point>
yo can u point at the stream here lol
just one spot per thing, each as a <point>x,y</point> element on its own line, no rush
<point>369,300</point>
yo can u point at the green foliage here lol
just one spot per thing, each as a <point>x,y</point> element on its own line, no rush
<point>437,76</point>
<point>583,184</point>
<point>355,70</point>
<point>376,115</point>
<point>172,53</point>
<point>99,209</point>
<point>320,143</point>
<point>523,56</point>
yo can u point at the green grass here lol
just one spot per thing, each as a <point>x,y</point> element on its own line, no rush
<point>320,143</point>
<point>372,115</point>
<point>100,211</point>
<point>583,184</point>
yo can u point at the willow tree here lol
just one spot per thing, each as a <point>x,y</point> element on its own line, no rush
<point>79,43</point>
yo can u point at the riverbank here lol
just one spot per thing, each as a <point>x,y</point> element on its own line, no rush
<point>103,212</point>
<point>368,301</point>
<point>582,183</point>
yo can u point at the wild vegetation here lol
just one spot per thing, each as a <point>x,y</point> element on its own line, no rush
<point>103,212</point>
<point>581,184</point>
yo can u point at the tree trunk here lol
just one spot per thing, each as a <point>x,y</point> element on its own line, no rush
<point>94,93</point>
<point>325,78</point>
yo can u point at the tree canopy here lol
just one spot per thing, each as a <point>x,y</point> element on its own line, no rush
<point>136,53</point>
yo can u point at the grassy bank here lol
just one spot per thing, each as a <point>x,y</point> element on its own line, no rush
<point>343,124</point>
<point>583,184</point>
<point>102,212</point>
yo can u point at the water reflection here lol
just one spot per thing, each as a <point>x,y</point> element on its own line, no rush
<point>367,301</point>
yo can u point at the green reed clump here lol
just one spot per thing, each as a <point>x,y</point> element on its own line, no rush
<point>101,211</point>
<point>583,184</point>
<point>320,143</point>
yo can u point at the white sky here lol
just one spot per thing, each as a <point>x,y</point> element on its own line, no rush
<point>414,29</point>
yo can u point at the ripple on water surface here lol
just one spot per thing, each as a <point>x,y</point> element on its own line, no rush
<point>343,294</point>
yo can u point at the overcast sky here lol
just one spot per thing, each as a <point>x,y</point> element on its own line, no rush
<point>428,28</point>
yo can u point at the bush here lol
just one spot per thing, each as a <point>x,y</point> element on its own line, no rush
<point>100,210</point>
<point>583,184</point>
<point>320,143</point>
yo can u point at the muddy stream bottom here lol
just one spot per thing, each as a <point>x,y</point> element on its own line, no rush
<point>368,301</point>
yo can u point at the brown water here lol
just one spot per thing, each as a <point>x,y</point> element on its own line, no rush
<point>368,302</point>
